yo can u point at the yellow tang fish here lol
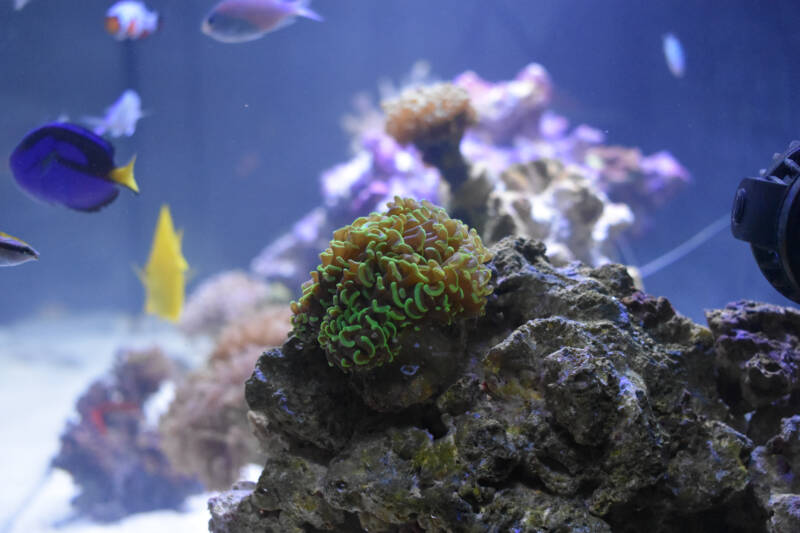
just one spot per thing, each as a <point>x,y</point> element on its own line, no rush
<point>164,276</point>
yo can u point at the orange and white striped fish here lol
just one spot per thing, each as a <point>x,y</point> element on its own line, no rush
<point>129,19</point>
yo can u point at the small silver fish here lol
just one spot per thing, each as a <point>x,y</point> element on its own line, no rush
<point>15,251</point>
<point>238,21</point>
<point>673,53</point>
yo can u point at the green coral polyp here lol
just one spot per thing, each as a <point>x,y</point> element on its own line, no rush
<point>386,272</point>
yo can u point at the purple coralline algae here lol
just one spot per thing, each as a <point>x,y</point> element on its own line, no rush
<point>757,354</point>
<point>112,453</point>
<point>516,126</point>
<point>576,403</point>
<point>509,123</point>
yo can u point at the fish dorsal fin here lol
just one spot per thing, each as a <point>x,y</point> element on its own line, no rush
<point>303,9</point>
<point>16,239</point>
<point>124,176</point>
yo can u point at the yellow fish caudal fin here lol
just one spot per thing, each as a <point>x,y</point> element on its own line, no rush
<point>164,275</point>
<point>124,176</point>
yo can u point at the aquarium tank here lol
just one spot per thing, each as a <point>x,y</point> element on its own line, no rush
<point>399,266</point>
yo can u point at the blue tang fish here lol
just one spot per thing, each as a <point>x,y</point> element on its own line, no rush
<point>673,53</point>
<point>66,164</point>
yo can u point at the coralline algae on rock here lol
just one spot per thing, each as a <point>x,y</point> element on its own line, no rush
<point>575,404</point>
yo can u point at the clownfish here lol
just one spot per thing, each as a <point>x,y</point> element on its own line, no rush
<point>129,19</point>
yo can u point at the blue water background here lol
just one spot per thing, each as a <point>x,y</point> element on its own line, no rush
<point>279,101</point>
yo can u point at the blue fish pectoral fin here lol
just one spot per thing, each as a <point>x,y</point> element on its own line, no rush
<point>124,176</point>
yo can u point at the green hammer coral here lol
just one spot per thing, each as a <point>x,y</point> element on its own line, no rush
<point>385,273</point>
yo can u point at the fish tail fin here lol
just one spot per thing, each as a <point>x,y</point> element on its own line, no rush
<point>303,10</point>
<point>124,176</point>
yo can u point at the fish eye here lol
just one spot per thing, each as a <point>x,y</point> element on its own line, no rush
<point>211,19</point>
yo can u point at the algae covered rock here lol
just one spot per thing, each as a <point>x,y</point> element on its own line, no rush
<point>757,353</point>
<point>574,403</point>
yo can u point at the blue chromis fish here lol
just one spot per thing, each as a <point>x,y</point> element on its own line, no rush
<point>673,53</point>
<point>66,164</point>
<point>15,251</point>
<point>164,275</point>
<point>238,21</point>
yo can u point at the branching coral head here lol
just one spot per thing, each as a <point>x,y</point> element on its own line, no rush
<point>388,272</point>
<point>434,119</point>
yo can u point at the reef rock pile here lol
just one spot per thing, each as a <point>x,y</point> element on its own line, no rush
<point>757,349</point>
<point>516,126</point>
<point>553,203</point>
<point>113,453</point>
<point>225,298</point>
<point>205,432</point>
<point>576,403</point>
<point>470,132</point>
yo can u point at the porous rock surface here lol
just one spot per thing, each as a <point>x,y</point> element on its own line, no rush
<point>574,404</point>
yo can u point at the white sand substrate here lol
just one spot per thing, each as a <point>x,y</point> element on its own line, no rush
<point>45,365</point>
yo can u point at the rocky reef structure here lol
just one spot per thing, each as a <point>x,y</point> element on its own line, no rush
<point>575,403</point>
<point>554,203</point>
<point>474,131</point>
<point>516,126</point>
<point>205,431</point>
<point>113,453</point>
<point>757,360</point>
<point>225,298</point>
